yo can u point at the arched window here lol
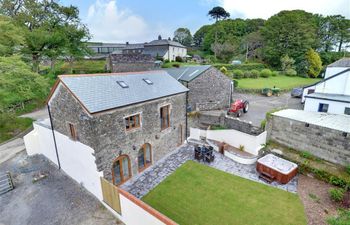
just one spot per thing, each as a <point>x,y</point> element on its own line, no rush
<point>121,170</point>
<point>144,157</point>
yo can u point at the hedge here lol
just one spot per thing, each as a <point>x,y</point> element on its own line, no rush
<point>248,66</point>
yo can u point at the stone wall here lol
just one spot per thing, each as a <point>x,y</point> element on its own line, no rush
<point>106,133</point>
<point>130,62</point>
<point>204,120</point>
<point>325,143</point>
<point>209,91</point>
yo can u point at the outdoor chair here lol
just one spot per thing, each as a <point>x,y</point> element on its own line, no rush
<point>209,158</point>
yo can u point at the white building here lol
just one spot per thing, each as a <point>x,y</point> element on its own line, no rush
<point>332,94</point>
<point>166,49</point>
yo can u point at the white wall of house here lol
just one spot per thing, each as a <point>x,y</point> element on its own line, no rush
<point>235,138</point>
<point>312,105</point>
<point>337,85</point>
<point>76,159</point>
<point>176,51</point>
<point>306,91</point>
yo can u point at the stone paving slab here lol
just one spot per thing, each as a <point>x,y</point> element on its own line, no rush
<point>142,183</point>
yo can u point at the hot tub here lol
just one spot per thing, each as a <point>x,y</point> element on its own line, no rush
<point>277,168</point>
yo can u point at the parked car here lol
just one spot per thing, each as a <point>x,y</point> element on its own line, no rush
<point>297,92</point>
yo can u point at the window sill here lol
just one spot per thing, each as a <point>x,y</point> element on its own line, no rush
<point>141,170</point>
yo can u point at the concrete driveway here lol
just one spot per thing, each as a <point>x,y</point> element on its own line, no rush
<point>56,199</point>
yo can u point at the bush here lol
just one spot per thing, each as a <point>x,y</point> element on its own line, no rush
<point>176,65</point>
<point>347,169</point>
<point>274,73</point>
<point>314,63</point>
<point>235,83</point>
<point>245,66</point>
<point>238,74</point>
<point>178,59</point>
<point>343,218</point>
<point>255,73</point>
<point>336,194</point>
<point>223,70</point>
<point>265,73</point>
<point>247,74</point>
<point>291,72</point>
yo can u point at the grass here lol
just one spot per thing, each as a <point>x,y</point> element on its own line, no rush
<point>10,126</point>
<point>198,194</point>
<point>283,82</point>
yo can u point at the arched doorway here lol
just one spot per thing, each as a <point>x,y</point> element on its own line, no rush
<point>144,157</point>
<point>121,170</point>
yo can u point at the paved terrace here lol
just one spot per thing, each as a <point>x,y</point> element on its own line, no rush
<point>141,184</point>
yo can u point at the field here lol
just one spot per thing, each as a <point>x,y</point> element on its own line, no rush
<point>198,194</point>
<point>280,81</point>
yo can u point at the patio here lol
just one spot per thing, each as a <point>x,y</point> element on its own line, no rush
<point>140,184</point>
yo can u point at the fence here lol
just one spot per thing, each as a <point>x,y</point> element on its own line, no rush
<point>6,183</point>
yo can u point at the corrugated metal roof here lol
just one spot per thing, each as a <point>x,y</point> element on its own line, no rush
<point>102,92</point>
<point>187,73</point>
<point>344,62</point>
<point>332,121</point>
<point>164,42</point>
<point>331,97</point>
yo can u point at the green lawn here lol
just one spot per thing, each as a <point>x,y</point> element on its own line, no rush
<point>280,81</point>
<point>198,194</point>
<point>11,125</point>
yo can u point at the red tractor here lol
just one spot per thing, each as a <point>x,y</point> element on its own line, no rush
<point>238,108</point>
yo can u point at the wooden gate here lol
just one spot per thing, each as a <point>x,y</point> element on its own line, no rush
<point>110,195</point>
<point>6,183</point>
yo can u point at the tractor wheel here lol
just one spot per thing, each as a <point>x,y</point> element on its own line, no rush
<point>239,113</point>
<point>269,94</point>
<point>246,107</point>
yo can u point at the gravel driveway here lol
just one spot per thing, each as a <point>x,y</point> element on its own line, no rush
<point>56,199</point>
<point>259,105</point>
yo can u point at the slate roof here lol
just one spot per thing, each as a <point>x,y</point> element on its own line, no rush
<point>134,46</point>
<point>187,73</point>
<point>332,121</point>
<point>100,92</point>
<point>344,62</point>
<point>164,42</point>
<point>331,97</point>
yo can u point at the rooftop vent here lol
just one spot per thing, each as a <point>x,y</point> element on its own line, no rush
<point>122,84</point>
<point>149,82</point>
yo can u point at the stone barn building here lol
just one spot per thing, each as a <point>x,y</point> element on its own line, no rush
<point>130,120</point>
<point>209,88</point>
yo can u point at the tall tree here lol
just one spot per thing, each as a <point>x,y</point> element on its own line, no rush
<point>198,37</point>
<point>218,13</point>
<point>11,37</point>
<point>288,33</point>
<point>314,63</point>
<point>183,36</point>
<point>45,22</point>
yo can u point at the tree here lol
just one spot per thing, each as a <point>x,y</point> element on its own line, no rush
<point>45,24</point>
<point>223,51</point>
<point>18,84</point>
<point>183,36</point>
<point>198,37</point>
<point>314,63</point>
<point>217,13</point>
<point>253,42</point>
<point>11,37</point>
<point>287,63</point>
<point>288,32</point>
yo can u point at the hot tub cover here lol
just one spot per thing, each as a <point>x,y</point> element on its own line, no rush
<point>277,163</point>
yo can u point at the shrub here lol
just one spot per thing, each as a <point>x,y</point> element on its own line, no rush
<point>241,148</point>
<point>274,73</point>
<point>343,218</point>
<point>265,73</point>
<point>247,74</point>
<point>235,83</point>
<point>178,59</point>
<point>314,63</point>
<point>263,124</point>
<point>255,73</point>
<point>176,65</point>
<point>244,67</point>
<point>223,70</point>
<point>336,194</point>
<point>287,63</point>
<point>238,74</point>
<point>347,169</point>
<point>166,61</point>
<point>291,72</point>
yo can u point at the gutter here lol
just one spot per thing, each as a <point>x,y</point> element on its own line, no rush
<point>54,137</point>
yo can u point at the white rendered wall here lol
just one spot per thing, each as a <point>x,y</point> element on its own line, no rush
<point>305,92</point>
<point>76,159</point>
<point>337,85</point>
<point>252,144</point>
<point>330,71</point>
<point>312,104</point>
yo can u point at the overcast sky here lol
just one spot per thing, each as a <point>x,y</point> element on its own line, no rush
<point>143,20</point>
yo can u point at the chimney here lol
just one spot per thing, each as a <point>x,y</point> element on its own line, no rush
<point>127,43</point>
<point>159,37</point>
<point>169,39</point>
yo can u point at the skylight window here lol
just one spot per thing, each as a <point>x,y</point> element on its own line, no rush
<point>149,82</point>
<point>122,84</point>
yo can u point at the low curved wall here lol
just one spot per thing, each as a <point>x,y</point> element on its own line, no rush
<point>239,159</point>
